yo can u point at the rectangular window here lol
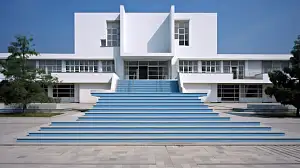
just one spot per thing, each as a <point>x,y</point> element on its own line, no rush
<point>81,66</point>
<point>188,66</point>
<point>63,90</point>
<point>50,66</point>
<point>235,67</point>
<point>113,33</point>
<point>274,65</point>
<point>228,92</point>
<point>251,91</point>
<point>211,66</point>
<point>182,32</point>
<point>108,66</point>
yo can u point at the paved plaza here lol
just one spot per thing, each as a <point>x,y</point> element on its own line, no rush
<point>14,155</point>
<point>150,156</point>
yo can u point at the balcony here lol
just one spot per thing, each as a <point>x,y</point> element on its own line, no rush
<point>66,77</point>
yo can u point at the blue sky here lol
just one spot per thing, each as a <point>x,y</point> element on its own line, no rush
<point>244,26</point>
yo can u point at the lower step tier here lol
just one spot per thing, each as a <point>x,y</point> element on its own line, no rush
<point>149,134</point>
<point>155,128</point>
<point>153,123</point>
<point>158,140</point>
<point>157,118</point>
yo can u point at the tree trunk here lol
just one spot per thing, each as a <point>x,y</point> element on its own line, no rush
<point>297,113</point>
<point>24,107</point>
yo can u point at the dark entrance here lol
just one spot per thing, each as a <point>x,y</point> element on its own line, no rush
<point>143,72</point>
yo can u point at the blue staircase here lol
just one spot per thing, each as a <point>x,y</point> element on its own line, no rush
<point>153,111</point>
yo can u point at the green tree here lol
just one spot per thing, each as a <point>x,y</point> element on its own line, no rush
<point>23,82</point>
<point>286,86</point>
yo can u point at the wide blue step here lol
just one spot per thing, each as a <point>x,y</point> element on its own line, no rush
<point>160,139</point>
<point>145,90</point>
<point>155,128</point>
<point>148,98</point>
<point>126,106</point>
<point>145,114</point>
<point>151,104</point>
<point>157,118</point>
<point>153,123</point>
<point>144,86</point>
<point>145,94</point>
<point>150,110</point>
<point>138,101</point>
<point>149,134</point>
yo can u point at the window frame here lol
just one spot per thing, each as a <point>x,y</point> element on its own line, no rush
<point>82,66</point>
<point>113,34</point>
<point>182,36</point>
<point>188,66</point>
<point>108,66</point>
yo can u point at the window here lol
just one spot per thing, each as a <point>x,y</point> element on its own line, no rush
<point>274,65</point>
<point>108,66</point>
<point>63,90</point>
<point>228,92</point>
<point>113,33</point>
<point>81,66</point>
<point>251,91</point>
<point>211,66</point>
<point>103,43</point>
<point>182,32</point>
<point>188,66</point>
<point>50,66</point>
<point>235,67</point>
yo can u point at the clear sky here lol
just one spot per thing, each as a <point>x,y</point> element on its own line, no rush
<point>244,26</point>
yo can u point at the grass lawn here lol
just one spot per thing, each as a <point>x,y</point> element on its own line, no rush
<point>29,114</point>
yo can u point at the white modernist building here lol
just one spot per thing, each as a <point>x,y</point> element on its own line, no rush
<point>183,46</point>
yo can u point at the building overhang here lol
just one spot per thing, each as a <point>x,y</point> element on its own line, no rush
<point>45,56</point>
<point>206,78</point>
<point>148,56</point>
<point>65,77</point>
<point>260,57</point>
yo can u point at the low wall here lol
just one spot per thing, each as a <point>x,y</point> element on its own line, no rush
<point>50,106</point>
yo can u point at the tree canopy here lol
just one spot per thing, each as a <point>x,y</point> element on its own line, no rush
<point>23,83</point>
<point>286,86</point>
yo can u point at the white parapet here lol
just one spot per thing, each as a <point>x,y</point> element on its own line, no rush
<point>84,77</point>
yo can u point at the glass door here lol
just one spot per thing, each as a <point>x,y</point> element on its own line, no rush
<point>234,70</point>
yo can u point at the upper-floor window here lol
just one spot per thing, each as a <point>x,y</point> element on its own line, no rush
<point>50,66</point>
<point>113,33</point>
<point>81,66</point>
<point>108,66</point>
<point>188,66</point>
<point>235,67</point>
<point>182,32</point>
<point>211,66</point>
<point>274,65</point>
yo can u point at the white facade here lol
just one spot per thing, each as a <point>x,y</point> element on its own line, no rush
<point>183,46</point>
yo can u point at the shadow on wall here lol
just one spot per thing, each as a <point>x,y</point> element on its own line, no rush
<point>160,41</point>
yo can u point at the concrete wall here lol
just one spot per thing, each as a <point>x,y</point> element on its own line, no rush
<point>202,35</point>
<point>202,38</point>
<point>205,87</point>
<point>85,92</point>
<point>147,33</point>
<point>90,28</point>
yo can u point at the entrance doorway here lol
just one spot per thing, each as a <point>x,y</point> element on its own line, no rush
<point>143,72</point>
<point>146,69</point>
